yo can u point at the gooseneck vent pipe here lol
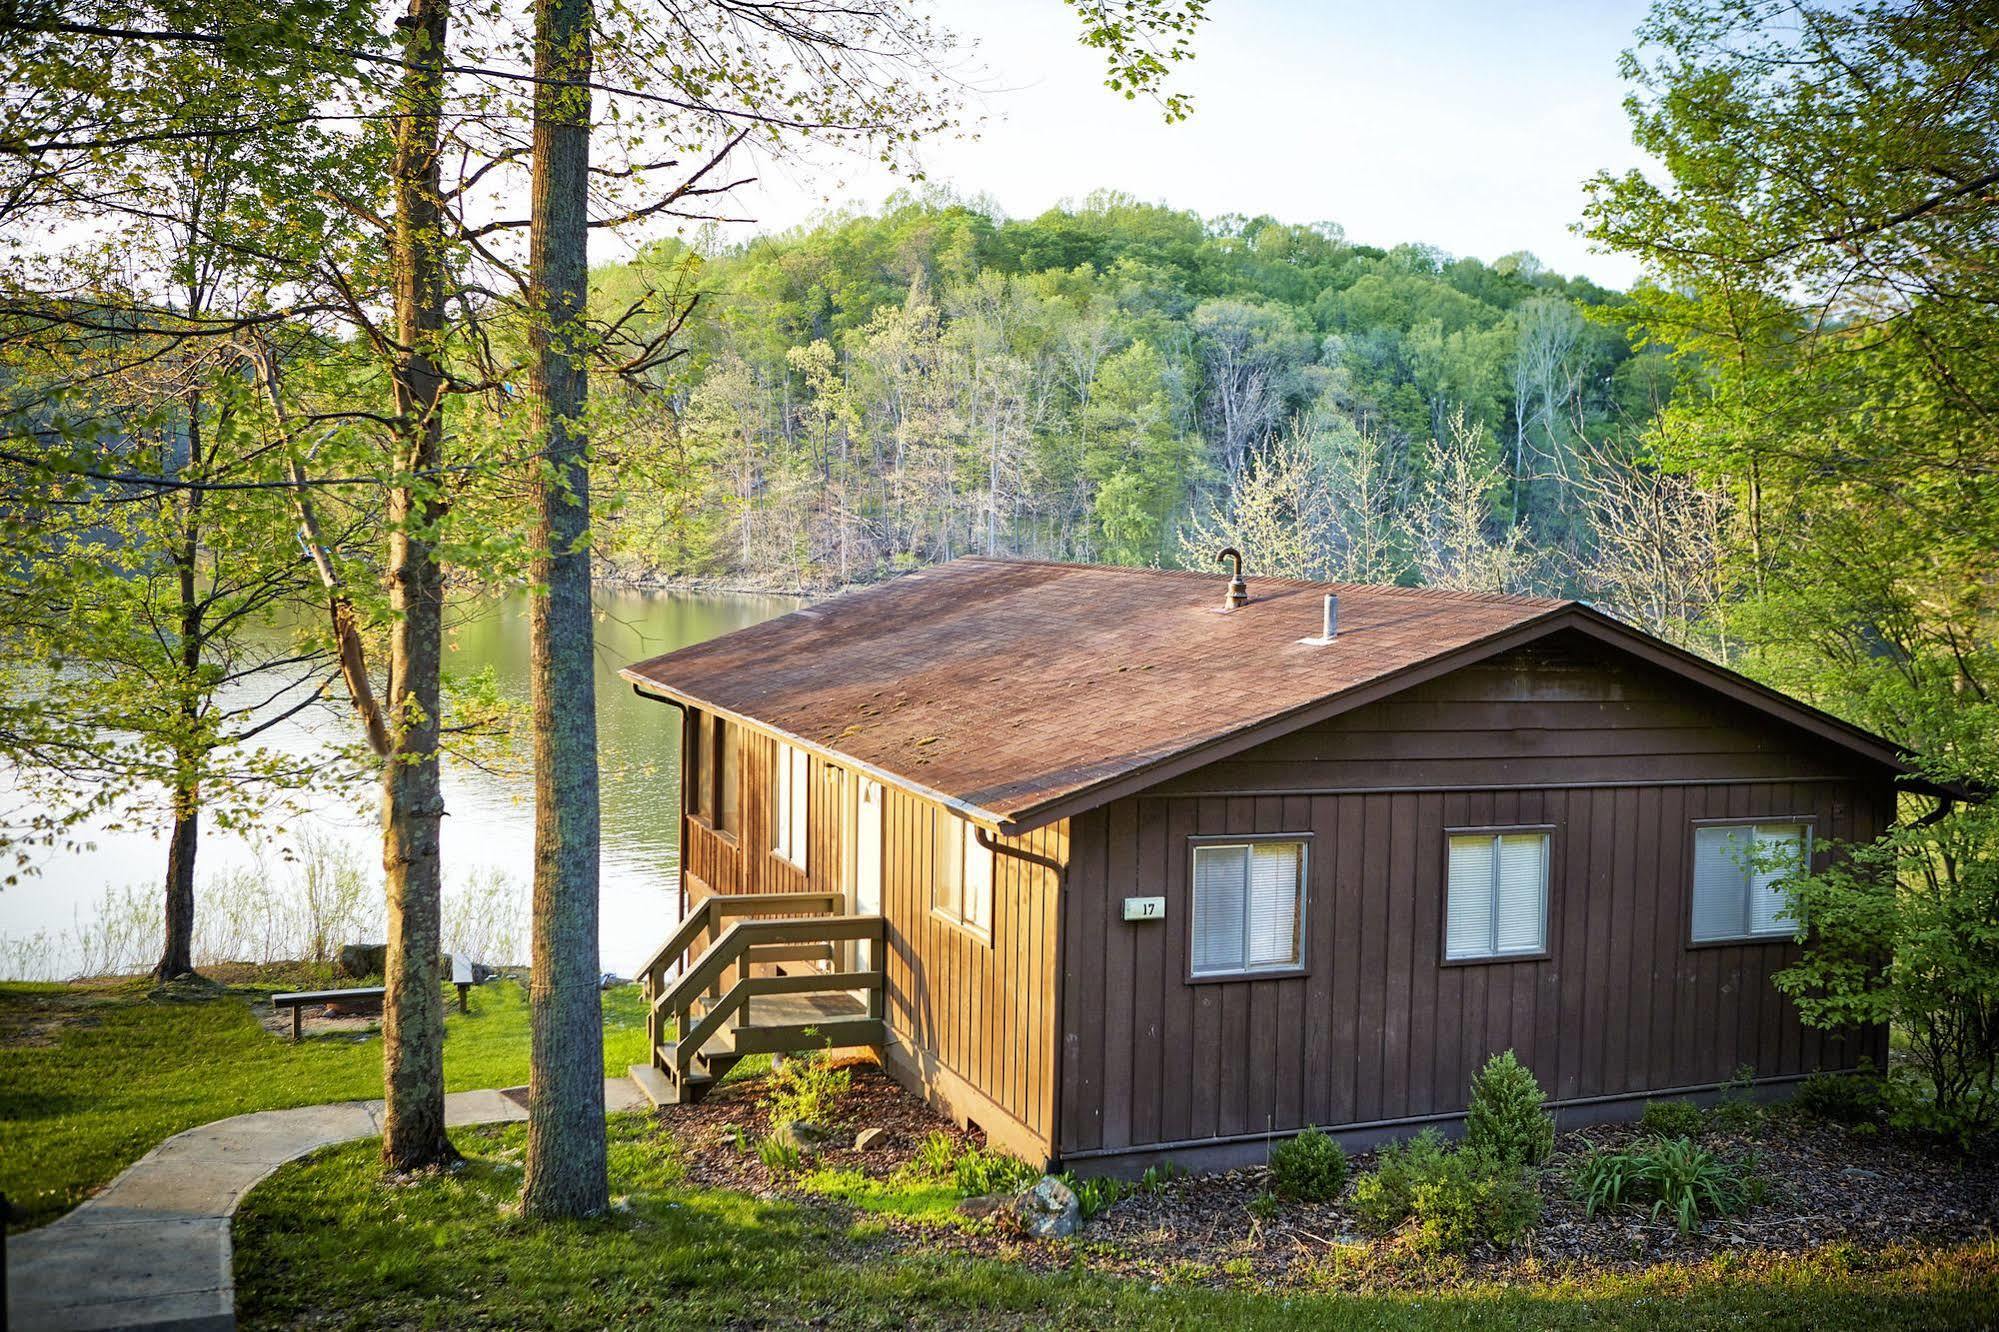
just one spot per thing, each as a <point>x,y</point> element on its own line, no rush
<point>1238,593</point>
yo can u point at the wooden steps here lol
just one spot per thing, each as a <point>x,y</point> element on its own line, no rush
<point>722,1005</point>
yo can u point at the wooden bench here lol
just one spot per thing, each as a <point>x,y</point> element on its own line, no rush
<point>299,999</point>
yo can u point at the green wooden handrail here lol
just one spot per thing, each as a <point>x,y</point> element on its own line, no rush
<point>811,982</point>
<point>712,909</point>
<point>744,934</point>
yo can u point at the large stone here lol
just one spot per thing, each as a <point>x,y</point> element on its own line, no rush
<point>869,1138</point>
<point>358,960</point>
<point>1049,1209</point>
<point>803,1135</point>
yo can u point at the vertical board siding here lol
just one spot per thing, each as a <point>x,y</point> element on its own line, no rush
<point>1379,1027</point>
<point>983,1009</point>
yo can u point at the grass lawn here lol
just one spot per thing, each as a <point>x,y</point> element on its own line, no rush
<point>94,1075</point>
<point>324,1243</point>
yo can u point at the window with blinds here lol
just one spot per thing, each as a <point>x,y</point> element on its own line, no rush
<point>1497,895</point>
<point>961,883</point>
<point>794,782</point>
<point>1739,874</point>
<point>1249,907</point>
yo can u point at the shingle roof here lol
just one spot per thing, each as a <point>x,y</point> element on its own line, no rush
<point>1006,686</point>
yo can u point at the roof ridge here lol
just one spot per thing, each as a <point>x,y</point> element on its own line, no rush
<point>1197,575</point>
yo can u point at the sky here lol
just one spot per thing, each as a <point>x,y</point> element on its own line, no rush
<point>1469,126</point>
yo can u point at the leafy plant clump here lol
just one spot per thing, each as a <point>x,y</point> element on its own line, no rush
<point>983,1170</point>
<point>1738,1108</point>
<point>1857,1098</point>
<point>936,1156</point>
<point>1448,1201</point>
<point>1096,1193</point>
<point>779,1154</point>
<point>1672,1119</point>
<point>1507,1120</point>
<point>804,1090</point>
<point>1311,1167</point>
<point>1677,1176</point>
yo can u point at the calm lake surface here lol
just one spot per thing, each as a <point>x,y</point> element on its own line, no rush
<point>489,822</point>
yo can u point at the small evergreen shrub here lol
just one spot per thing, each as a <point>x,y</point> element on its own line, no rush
<point>1447,1201</point>
<point>1311,1167</point>
<point>1506,1120</point>
<point>803,1090</point>
<point>1681,1180</point>
<point>1844,1098</point>
<point>1472,1199</point>
<point>1381,1198</point>
<point>982,1171</point>
<point>1672,1119</point>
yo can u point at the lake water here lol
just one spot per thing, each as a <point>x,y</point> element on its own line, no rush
<point>488,827</point>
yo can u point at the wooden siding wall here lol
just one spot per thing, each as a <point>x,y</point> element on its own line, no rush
<point>745,863</point>
<point>985,1011</point>
<point>1379,1029</point>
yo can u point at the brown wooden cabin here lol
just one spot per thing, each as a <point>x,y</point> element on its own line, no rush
<point>1119,874</point>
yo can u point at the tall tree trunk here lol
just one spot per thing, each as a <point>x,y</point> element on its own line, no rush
<point>177,951</point>
<point>177,958</point>
<point>566,1175</point>
<point>412,799</point>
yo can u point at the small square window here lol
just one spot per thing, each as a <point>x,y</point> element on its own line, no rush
<point>1497,897</point>
<point>1249,908</point>
<point>1739,874</point>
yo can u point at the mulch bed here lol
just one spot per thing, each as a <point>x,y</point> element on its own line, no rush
<point>1827,1185</point>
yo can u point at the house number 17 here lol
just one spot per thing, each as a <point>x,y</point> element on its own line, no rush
<point>1144,908</point>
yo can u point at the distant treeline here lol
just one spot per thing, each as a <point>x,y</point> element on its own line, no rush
<point>1121,382</point>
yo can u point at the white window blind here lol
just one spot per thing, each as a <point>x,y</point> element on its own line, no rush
<point>962,882</point>
<point>1249,901</point>
<point>1739,875</point>
<point>1496,895</point>
<point>794,779</point>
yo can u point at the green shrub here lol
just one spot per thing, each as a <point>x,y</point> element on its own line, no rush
<point>1506,1120</point>
<point>779,1154</point>
<point>1157,1177</point>
<point>1472,1199</point>
<point>1381,1198</point>
<point>981,1171</point>
<point>936,1155</point>
<point>1308,1168</point>
<point>1450,1200</point>
<point>1678,1177</point>
<point>803,1089</point>
<point>1738,1108</point>
<point>1672,1119</point>
<point>1859,1097</point>
<point>1093,1195</point>
<point>1901,936</point>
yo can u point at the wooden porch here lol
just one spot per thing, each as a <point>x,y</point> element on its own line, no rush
<point>719,1011</point>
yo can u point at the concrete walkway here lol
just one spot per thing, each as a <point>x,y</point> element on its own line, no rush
<point>153,1250</point>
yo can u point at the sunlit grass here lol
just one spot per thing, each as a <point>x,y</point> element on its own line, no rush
<point>326,1243</point>
<point>92,1076</point>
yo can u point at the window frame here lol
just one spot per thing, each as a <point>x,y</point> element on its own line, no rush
<point>1784,936</point>
<point>791,838</point>
<point>697,788</point>
<point>728,776</point>
<point>966,834</point>
<point>1547,949</point>
<point>1303,966</point>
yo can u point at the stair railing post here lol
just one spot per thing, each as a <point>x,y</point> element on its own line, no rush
<point>743,974</point>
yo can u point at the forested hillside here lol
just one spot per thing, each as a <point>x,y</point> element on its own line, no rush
<point>1128,383</point>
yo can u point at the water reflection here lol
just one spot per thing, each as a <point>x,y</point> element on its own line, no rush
<point>489,823</point>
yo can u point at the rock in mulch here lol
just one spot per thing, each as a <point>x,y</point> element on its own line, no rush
<point>1049,1209</point>
<point>869,1138</point>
